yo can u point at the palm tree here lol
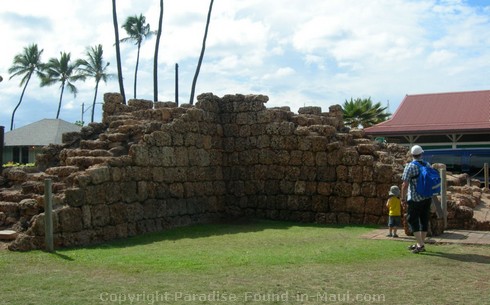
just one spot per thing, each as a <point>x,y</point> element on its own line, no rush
<point>94,67</point>
<point>61,70</point>
<point>155,57</point>
<point>194,81</point>
<point>362,112</point>
<point>26,64</point>
<point>118,51</point>
<point>138,30</point>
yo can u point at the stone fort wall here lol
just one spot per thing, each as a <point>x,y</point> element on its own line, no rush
<point>152,166</point>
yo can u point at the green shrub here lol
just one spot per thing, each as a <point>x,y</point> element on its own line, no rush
<point>12,164</point>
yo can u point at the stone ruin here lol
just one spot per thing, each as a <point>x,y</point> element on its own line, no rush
<point>152,166</point>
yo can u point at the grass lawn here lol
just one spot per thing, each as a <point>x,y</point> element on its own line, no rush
<point>261,262</point>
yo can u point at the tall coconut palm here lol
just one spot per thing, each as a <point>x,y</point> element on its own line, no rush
<point>194,81</point>
<point>362,112</point>
<point>155,57</point>
<point>26,64</point>
<point>94,67</point>
<point>118,51</point>
<point>64,71</point>
<point>138,30</point>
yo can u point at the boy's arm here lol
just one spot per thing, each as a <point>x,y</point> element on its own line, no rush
<point>404,193</point>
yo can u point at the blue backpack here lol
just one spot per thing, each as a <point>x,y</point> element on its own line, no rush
<point>428,180</point>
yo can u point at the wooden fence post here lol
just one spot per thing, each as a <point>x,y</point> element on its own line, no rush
<point>48,216</point>
<point>442,172</point>
<point>485,174</point>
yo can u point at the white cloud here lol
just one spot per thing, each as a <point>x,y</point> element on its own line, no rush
<point>440,57</point>
<point>318,53</point>
<point>280,73</point>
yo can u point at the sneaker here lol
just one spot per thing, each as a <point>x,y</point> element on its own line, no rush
<point>395,235</point>
<point>412,247</point>
<point>418,249</point>
<point>389,235</point>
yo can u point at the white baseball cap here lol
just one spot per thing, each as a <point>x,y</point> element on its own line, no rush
<point>416,150</point>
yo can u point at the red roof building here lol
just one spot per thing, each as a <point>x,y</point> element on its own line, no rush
<point>439,120</point>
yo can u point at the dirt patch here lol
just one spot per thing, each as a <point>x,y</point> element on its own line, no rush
<point>3,245</point>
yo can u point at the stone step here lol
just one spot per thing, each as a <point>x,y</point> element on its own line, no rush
<point>9,208</point>
<point>94,144</point>
<point>116,137</point>
<point>62,171</point>
<point>13,195</point>
<point>87,153</point>
<point>8,234</point>
<point>37,187</point>
<point>86,162</point>
<point>42,176</point>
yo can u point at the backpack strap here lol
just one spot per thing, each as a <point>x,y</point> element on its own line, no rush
<point>419,164</point>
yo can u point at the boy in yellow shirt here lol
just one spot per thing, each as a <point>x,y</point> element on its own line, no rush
<point>395,211</point>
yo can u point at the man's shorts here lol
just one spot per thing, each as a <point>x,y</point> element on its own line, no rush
<point>418,214</point>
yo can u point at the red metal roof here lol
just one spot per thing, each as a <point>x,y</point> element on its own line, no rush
<point>437,113</point>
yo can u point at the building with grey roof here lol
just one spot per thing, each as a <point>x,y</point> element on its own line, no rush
<point>22,144</point>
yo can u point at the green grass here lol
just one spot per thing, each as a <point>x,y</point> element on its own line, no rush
<point>260,262</point>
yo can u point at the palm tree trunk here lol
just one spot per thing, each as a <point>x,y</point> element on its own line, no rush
<point>61,98</point>
<point>93,103</point>
<point>118,51</point>
<point>177,84</point>
<point>136,69</point>
<point>155,57</point>
<point>20,101</point>
<point>191,100</point>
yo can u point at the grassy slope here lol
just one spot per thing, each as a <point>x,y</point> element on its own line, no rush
<point>258,263</point>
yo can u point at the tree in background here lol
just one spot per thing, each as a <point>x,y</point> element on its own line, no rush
<point>155,57</point>
<point>194,81</point>
<point>362,112</point>
<point>138,30</point>
<point>26,64</point>
<point>94,67</point>
<point>64,71</point>
<point>118,51</point>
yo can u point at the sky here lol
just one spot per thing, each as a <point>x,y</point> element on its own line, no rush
<point>298,53</point>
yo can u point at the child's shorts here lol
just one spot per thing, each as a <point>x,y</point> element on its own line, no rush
<point>394,221</point>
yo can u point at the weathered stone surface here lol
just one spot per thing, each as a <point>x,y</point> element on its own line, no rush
<point>62,171</point>
<point>151,166</point>
<point>70,219</point>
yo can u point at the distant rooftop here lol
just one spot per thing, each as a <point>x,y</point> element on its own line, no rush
<point>40,133</point>
<point>438,113</point>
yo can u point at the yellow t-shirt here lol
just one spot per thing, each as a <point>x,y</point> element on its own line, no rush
<point>394,206</point>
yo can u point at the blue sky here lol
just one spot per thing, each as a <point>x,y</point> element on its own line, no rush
<point>299,53</point>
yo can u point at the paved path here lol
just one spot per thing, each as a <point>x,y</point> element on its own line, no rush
<point>481,213</point>
<point>449,236</point>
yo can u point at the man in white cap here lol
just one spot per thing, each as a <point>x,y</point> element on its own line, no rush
<point>418,207</point>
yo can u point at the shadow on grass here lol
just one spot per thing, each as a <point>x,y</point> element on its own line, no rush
<point>62,256</point>
<point>204,230</point>
<point>469,258</point>
<point>453,236</point>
